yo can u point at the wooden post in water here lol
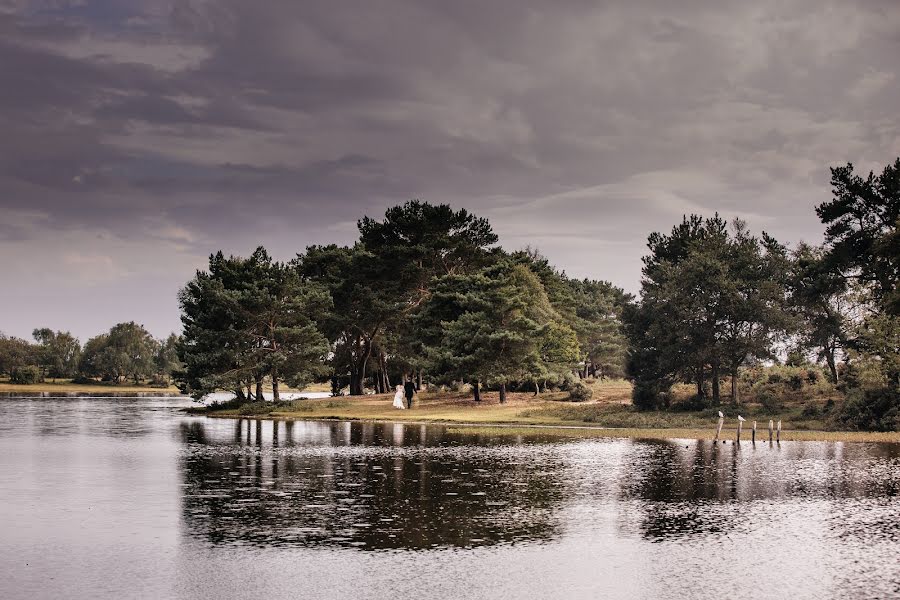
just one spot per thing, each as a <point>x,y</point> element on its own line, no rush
<point>754,433</point>
<point>740,426</point>
<point>778,433</point>
<point>721,422</point>
<point>771,427</point>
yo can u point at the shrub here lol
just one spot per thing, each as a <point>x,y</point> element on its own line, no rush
<point>870,410</point>
<point>811,411</point>
<point>457,386</point>
<point>772,386</point>
<point>566,382</point>
<point>25,375</point>
<point>578,392</point>
<point>159,381</point>
<point>769,395</point>
<point>650,395</point>
<point>795,381</point>
<point>256,408</point>
<point>692,403</point>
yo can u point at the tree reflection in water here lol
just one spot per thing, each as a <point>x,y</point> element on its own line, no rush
<point>370,486</point>
<point>696,488</point>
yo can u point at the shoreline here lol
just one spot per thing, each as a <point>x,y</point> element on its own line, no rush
<point>548,416</point>
<point>564,430</point>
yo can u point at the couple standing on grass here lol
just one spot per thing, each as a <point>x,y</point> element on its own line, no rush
<point>408,389</point>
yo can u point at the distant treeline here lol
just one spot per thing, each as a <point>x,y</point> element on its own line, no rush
<point>127,352</point>
<point>427,292</point>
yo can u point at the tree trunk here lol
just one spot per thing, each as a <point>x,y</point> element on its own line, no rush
<point>259,389</point>
<point>250,390</point>
<point>537,388</point>
<point>715,384</point>
<point>476,390</point>
<point>355,382</point>
<point>701,389</point>
<point>362,371</point>
<point>503,393</point>
<point>419,381</point>
<point>275,396</point>
<point>829,358</point>
<point>735,393</point>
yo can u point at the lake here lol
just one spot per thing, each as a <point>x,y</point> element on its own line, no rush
<point>131,498</point>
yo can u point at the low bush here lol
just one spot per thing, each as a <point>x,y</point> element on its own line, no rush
<point>159,382</point>
<point>256,408</point>
<point>650,395</point>
<point>692,403</point>
<point>770,396</point>
<point>579,392</point>
<point>811,411</point>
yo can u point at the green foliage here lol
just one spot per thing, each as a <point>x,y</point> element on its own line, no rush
<point>165,361</point>
<point>863,230</point>
<point>870,410</point>
<point>15,353</point>
<point>502,328</point>
<point>862,240</point>
<point>650,394</point>
<point>579,392</point>
<point>246,320</point>
<point>776,385</point>
<point>127,351</point>
<point>711,299</point>
<point>820,305</point>
<point>26,375</point>
<point>592,309</point>
<point>381,284</point>
<point>57,352</point>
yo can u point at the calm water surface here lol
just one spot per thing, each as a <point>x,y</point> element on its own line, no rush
<point>131,498</point>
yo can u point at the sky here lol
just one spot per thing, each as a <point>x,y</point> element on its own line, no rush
<point>139,136</point>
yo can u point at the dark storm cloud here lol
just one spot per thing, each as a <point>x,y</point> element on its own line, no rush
<point>139,136</point>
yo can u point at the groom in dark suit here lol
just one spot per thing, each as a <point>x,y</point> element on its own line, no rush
<point>409,389</point>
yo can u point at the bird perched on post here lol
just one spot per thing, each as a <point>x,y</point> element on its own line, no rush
<point>740,418</point>
<point>721,416</point>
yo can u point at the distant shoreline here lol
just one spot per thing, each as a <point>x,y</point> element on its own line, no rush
<point>66,386</point>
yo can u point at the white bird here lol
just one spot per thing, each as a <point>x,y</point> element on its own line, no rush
<point>740,418</point>
<point>721,416</point>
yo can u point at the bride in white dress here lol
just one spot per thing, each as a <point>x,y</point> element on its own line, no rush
<point>398,398</point>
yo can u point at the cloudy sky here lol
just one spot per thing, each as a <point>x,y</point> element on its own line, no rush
<point>140,135</point>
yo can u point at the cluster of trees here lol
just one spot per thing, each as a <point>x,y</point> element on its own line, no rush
<point>426,289</point>
<point>715,299</point>
<point>126,352</point>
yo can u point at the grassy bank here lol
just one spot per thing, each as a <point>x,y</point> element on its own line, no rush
<point>608,414</point>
